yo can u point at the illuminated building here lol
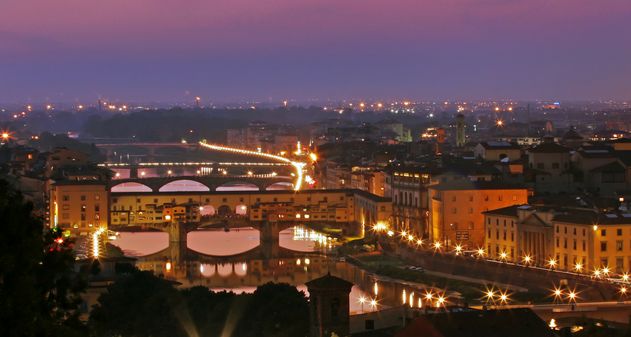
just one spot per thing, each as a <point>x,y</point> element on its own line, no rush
<point>578,239</point>
<point>340,206</point>
<point>456,209</point>
<point>79,206</point>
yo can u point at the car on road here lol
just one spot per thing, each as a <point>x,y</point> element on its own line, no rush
<point>416,268</point>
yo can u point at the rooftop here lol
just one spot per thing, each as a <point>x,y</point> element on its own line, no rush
<point>477,185</point>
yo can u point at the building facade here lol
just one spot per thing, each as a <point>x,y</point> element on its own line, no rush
<point>456,211</point>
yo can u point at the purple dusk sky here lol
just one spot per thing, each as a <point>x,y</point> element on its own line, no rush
<point>170,50</point>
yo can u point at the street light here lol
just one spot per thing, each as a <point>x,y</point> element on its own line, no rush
<point>480,252</point>
<point>552,263</point>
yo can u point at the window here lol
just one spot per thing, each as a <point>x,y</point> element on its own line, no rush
<point>65,197</point>
<point>565,243</point>
<point>619,231</point>
<point>504,236</point>
<point>619,245</point>
<point>555,166</point>
<point>603,246</point>
<point>604,262</point>
<point>455,211</point>
<point>603,232</point>
<point>557,242</point>
<point>583,245</point>
<point>574,244</point>
<point>499,198</point>
<point>565,229</point>
<point>470,210</point>
<point>83,198</point>
<point>370,324</point>
<point>574,230</point>
<point>97,208</point>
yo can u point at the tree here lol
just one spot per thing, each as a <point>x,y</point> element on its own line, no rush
<point>275,309</point>
<point>39,293</point>
<point>138,304</point>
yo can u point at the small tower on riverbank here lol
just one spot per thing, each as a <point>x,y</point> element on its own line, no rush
<point>329,306</point>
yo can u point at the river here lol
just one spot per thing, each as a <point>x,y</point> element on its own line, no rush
<point>233,261</point>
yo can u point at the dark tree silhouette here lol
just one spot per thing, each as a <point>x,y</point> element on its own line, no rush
<point>38,289</point>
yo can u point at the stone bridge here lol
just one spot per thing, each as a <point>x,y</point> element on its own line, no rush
<point>199,183</point>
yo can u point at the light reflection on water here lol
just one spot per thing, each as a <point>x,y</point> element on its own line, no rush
<point>244,275</point>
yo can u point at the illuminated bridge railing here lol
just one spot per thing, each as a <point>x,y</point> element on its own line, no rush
<point>192,164</point>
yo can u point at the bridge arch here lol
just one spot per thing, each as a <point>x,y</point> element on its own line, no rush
<point>237,186</point>
<point>207,270</point>
<point>184,185</point>
<point>280,185</point>
<point>240,269</point>
<point>207,210</point>
<point>241,209</point>
<point>224,210</point>
<point>131,186</point>
<point>224,269</point>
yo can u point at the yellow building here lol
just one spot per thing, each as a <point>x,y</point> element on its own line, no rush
<point>79,206</point>
<point>456,209</point>
<point>581,240</point>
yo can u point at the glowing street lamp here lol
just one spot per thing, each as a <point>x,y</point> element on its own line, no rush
<point>504,297</point>
<point>489,295</point>
<point>419,242</point>
<point>440,301</point>
<point>578,267</point>
<point>572,296</point>
<point>558,294</point>
<point>623,291</point>
<point>458,249</point>
<point>362,300</point>
<point>527,259</point>
<point>480,252</point>
<point>597,273</point>
<point>429,296</point>
<point>625,277</point>
<point>503,256</point>
<point>552,263</point>
<point>437,245</point>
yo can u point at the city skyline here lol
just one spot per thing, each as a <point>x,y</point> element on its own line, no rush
<point>236,51</point>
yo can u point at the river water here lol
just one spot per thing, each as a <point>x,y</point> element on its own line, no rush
<point>233,261</point>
